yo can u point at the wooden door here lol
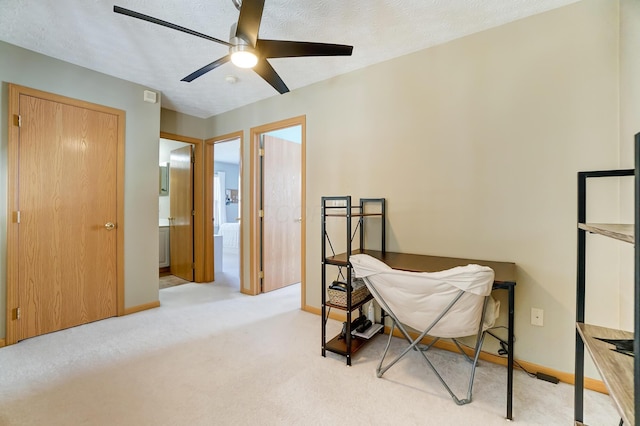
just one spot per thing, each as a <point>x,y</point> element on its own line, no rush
<point>67,198</point>
<point>181,212</point>
<point>281,227</point>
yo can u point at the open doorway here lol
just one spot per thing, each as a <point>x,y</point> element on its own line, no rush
<point>278,206</point>
<point>175,213</point>
<point>226,209</point>
<point>223,210</point>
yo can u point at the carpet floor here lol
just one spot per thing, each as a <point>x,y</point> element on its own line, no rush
<point>212,356</point>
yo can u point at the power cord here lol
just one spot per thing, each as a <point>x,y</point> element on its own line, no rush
<point>504,350</point>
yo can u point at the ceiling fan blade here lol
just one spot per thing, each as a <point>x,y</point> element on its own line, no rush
<point>123,11</point>
<point>288,49</point>
<point>206,69</point>
<point>249,20</point>
<point>266,71</point>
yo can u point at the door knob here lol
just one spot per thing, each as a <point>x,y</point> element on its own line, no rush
<point>109,226</point>
<point>298,220</point>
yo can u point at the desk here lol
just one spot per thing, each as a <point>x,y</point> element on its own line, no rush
<point>505,279</point>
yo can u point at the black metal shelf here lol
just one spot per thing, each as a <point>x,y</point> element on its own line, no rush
<point>340,207</point>
<point>620,373</point>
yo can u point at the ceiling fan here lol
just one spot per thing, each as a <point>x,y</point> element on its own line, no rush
<point>246,50</point>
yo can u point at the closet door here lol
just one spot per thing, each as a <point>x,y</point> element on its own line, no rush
<point>67,198</point>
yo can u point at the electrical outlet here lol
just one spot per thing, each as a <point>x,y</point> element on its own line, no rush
<point>537,317</point>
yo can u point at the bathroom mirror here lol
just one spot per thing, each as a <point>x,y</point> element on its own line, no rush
<point>164,179</point>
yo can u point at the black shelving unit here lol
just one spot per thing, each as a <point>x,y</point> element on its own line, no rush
<point>341,208</point>
<point>620,372</point>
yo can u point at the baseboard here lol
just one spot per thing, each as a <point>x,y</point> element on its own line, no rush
<point>139,308</point>
<point>591,384</point>
<point>248,292</point>
<point>335,314</point>
<point>3,343</point>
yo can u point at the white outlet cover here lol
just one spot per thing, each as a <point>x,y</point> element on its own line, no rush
<point>537,317</point>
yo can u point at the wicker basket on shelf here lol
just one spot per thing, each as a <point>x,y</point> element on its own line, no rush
<point>359,292</point>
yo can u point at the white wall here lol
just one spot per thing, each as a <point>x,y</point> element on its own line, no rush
<point>475,144</point>
<point>31,69</point>
<point>291,134</point>
<point>231,178</point>
<point>629,126</point>
<point>182,124</point>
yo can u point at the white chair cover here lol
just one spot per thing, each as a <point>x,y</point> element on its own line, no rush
<point>417,298</point>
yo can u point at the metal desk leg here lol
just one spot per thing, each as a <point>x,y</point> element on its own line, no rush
<point>510,353</point>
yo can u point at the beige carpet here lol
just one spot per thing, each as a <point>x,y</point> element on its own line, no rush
<point>211,356</point>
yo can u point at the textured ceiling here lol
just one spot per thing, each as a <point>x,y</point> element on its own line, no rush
<point>88,33</point>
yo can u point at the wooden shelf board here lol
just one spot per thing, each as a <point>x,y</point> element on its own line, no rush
<point>339,346</point>
<point>619,231</point>
<point>615,368</point>
<point>341,258</point>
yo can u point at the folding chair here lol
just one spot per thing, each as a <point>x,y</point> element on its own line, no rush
<point>446,304</point>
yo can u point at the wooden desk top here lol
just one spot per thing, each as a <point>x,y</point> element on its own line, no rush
<point>505,271</point>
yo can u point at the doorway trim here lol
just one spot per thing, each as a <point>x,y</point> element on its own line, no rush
<point>209,146</point>
<point>254,286</point>
<point>198,203</point>
<point>12,197</point>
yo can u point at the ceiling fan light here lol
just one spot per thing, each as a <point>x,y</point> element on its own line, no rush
<point>243,57</point>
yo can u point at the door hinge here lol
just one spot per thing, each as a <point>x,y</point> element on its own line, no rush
<point>193,212</point>
<point>18,313</point>
<point>193,266</point>
<point>193,159</point>
<point>260,213</point>
<point>261,152</point>
<point>261,274</point>
<point>17,219</point>
<point>17,120</point>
